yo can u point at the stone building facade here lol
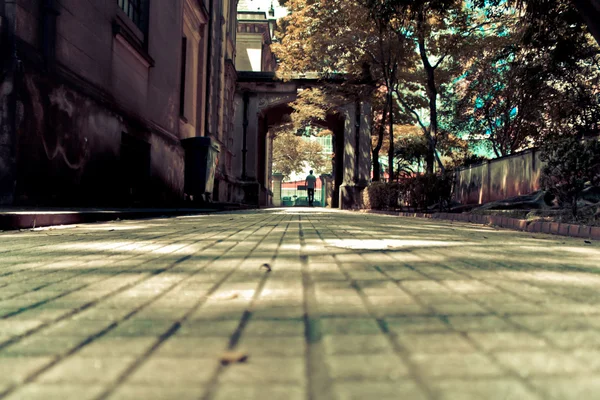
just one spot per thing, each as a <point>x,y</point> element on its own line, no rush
<point>96,96</point>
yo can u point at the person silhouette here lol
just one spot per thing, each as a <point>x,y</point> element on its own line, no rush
<point>310,182</point>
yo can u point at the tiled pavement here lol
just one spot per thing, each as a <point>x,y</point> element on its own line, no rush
<point>356,307</point>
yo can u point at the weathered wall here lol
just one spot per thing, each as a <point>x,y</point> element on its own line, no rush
<point>98,124</point>
<point>499,179</point>
<point>70,151</point>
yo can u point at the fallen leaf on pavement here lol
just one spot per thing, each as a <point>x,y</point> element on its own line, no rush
<point>230,357</point>
<point>267,267</point>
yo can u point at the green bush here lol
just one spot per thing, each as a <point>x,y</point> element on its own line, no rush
<point>419,192</point>
<point>571,164</point>
<point>382,196</point>
<point>425,191</point>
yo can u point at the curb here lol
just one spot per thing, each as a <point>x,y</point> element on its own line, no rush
<point>553,228</point>
<point>13,220</point>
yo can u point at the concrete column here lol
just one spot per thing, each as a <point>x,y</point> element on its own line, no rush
<point>252,140</point>
<point>357,154</point>
<point>326,189</point>
<point>277,181</point>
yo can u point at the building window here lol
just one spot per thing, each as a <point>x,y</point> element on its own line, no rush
<point>134,10</point>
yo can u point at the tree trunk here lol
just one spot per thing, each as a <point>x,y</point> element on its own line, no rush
<point>391,149</point>
<point>431,93</point>
<point>376,165</point>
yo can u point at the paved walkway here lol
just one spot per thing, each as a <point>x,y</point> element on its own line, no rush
<point>356,306</point>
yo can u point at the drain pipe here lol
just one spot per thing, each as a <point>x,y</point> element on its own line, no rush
<point>245,134</point>
<point>357,141</point>
<point>208,70</point>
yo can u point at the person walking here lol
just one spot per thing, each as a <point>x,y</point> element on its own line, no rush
<point>310,182</point>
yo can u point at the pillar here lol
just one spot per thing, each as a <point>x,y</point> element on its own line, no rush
<point>326,189</point>
<point>357,154</point>
<point>277,182</point>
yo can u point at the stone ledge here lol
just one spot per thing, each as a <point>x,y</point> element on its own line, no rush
<point>553,228</point>
<point>12,219</point>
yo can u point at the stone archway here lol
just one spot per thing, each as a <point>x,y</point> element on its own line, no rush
<point>260,102</point>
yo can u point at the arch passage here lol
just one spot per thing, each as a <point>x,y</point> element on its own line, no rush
<point>262,102</point>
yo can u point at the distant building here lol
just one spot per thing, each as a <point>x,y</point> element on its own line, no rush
<point>254,36</point>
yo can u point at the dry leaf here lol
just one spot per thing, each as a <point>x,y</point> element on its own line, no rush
<point>230,357</point>
<point>231,296</point>
<point>267,266</point>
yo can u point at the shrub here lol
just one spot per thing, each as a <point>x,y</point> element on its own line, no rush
<point>419,192</point>
<point>571,164</point>
<point>424,191</point>
<point>382,196</point>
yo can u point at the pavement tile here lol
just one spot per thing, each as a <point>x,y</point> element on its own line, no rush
<point>78,369</point>
<point>190,346</point>
<point>501,341</point>
<point>17,369</point>
<point>435,343</point>
<point>357,344</point>
<point>263,370</point>
<point>154,392</point>
<point>274,346</point>
<point>571,388</point>
<point>174,371</point>
<point>458,309</point>
<point>42,346</point>
<point>489,389</point>
<point>403,389</point>
<point>485,323</point>
<point>349,326</point>
<point>209,328</point>
<point>35,391</point>
<point>535,363</point>
<point>541,323</point>
<point>10,328</point>
<point>372,367</point>
<point>109,346</point>
<point>586,339</point>
<point>257,392</point>
<point>456,365</point>
<point>294,327</point>
<point>416,324</point>
<point>141,327</point>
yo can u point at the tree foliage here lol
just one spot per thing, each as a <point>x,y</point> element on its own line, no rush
<point>506,74</point>
<point>530,82</point>
<point>571,164</point>
<point>292,152</point>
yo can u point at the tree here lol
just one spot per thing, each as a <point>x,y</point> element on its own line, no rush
<point>542,76</point>
<point>332,36</point>
<point>502,102</point>
<point>571,164</point>
<point>448,35</point>
<point>292,152</point>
